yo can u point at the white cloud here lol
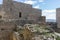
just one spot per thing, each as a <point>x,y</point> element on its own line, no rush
<point>50,14</point>
<point>37,7</point>
<point>49,11</point>
<point>30,2</point>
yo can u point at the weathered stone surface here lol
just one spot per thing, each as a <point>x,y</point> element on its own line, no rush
<point>58,17</point>
<point>5,35</point>
<point>7,26</point>
<point>12,10</point>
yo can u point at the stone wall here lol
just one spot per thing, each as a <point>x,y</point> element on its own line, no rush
<point>7,26</point>
<point>13,8</point>
<point>58,17</point>
<point>5,35</point>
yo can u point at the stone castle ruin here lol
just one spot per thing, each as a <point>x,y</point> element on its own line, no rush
<point>14,13</point>
<point>20,13</point>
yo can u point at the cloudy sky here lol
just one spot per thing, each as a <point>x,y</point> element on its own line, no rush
<point>48,6</point>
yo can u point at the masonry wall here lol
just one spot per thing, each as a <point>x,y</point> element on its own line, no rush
<point>58,17</point>
<point>35,14</point>
<point>7,26</point>
<point>5,35</point>
<point>13,8</point>
<point>25,9</point>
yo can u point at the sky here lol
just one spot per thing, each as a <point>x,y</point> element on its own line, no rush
<point>48,7</point>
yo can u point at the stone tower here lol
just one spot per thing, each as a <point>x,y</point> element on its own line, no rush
<point>8,9</point>
<point>58,17</point>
